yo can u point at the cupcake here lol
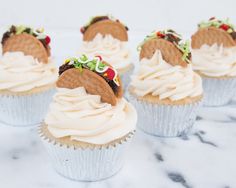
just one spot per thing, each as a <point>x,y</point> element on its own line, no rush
<point>164,89</point>
<point>108,37</point>
<point>27,76</point>
<point>89,124</point>
<point>214,58</point>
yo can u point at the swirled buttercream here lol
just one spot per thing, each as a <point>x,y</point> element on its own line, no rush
<point>83,117</point>
<point>20,73</point>
<point>113,51</point>
<point>215,60</point>
<point>156,77</point>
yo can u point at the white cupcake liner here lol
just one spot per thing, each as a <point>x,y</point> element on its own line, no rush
<point>125,77</point>
<point>218,92</point>
<point>86,164</point>
<point>165,120</point>
<point>25,110</point>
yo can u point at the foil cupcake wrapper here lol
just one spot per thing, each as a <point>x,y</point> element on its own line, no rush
<point>25,110</point>
<point>218,92</point>
<point>125,77</point>
<point>165,120</point>
<point>86,164</point>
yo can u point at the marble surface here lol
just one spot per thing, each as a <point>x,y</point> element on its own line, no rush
<point>206,158</point>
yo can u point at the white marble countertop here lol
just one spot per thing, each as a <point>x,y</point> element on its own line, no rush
<point>206,158</point>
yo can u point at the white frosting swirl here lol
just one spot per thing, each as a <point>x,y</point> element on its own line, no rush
<point>156,77</point>
<point>19,72</point>
<point>113,51</point>
<point>215,60</point>
<point>85,118</point>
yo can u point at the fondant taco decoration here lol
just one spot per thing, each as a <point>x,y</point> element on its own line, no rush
<point>214,31</point>
<point>27,40</point>
<point>95,75</point>
<point>104,25</point>
<point>173,50</point>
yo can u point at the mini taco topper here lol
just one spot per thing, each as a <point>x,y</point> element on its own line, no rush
<point>29,41</point>
<point>102,75</point>
<point>38,33</point>
<point>96,19</point>
<point>213,31</point>
<point>106,24</point>
<point>96,65</point>
<point>165,41</point>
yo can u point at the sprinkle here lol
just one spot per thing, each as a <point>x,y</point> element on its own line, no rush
<point>110,74</point>
<point>67,61</point>
<point>95,19</point>
<point>116,81</point>
<point>100,57</point>
<point>83,58</point>
<point>95,65</point>
<point>224,27</point>
<point>222,24</point>
<point>40,30</point>
<point>47,40</point>
<point>212,18</point>
<point>161,35</point>
<point>82,30</point>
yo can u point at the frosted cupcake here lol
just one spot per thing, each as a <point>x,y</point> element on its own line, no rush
<point>108,37</point>
<point>214,58</point>
<point>164,89</point>
<point>89,124</point>
<point>27,76</point>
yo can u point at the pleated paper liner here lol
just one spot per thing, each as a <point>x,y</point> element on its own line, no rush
<point>25,108</point>
<point>163,118</point>
<point>218,91</point>
<point>83,161</point>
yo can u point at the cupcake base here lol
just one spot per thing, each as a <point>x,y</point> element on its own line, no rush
<point>26,109</point>
<point>165,120</point>
<point>82,161</point>
<point>218,91</point>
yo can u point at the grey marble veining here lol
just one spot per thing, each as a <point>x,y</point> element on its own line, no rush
<point>206,158</point>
